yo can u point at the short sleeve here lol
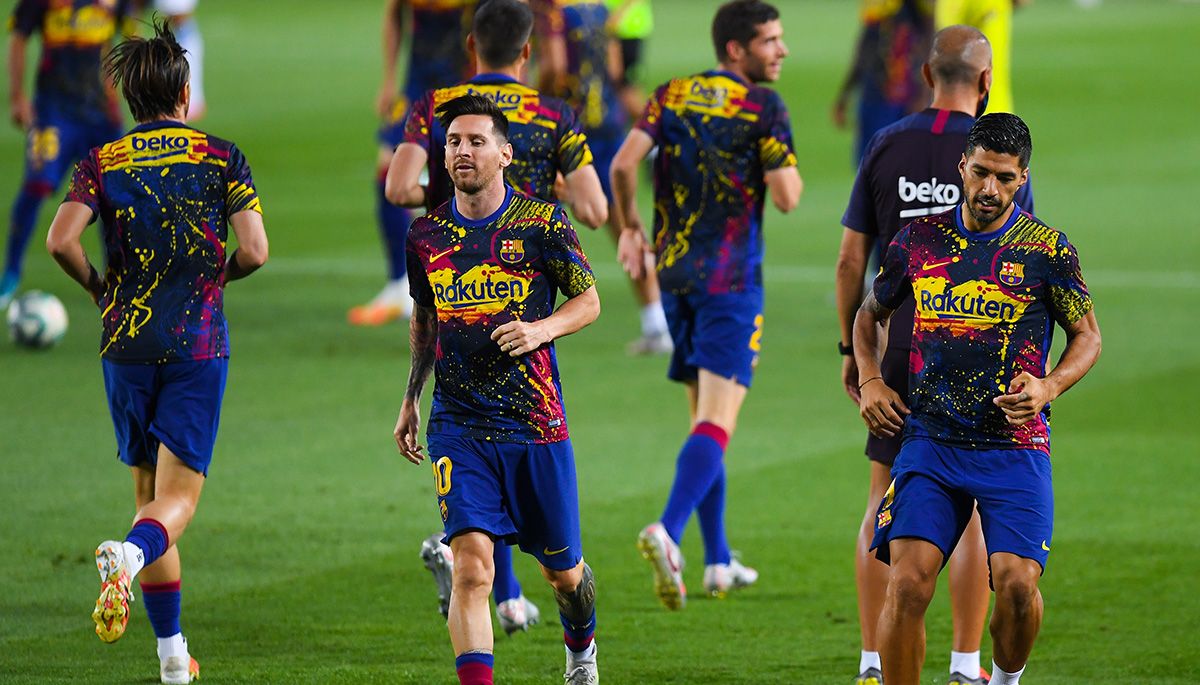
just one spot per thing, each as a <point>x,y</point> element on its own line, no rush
<point>418,278</point>
<point>27,17</point>
<point>1069,297</point>
<point>651,119</point>
<point>892,285</point>
<point>573,151</point>
<point>418,126</point>
<point>85,184</point>
<point>860,211</point>
<point>240,194</point>
<point>566,266</point>
<point>775,149</point>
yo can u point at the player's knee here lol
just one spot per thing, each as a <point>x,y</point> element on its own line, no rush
<point>473,573</point>
<point>911,587</point>
<point>565,582</point>
<point>1016,588</point>
<point>578,601</point>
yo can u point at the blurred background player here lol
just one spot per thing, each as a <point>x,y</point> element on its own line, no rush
<point>994,19</point>
<point>436,59</point>
<point>166,195</point>
<point>579,59</point>
<point>885,69</point>
<point>547,141</point>
<point>911,170</point>
<point>182,14</point>
<point>73,108</point>
<point>631,22</point>
<point>486,269</point>
<point>727,142</point>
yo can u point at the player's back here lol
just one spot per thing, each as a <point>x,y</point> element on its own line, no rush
<point>165,193</point>
<point>896,40</point>
<point>717,137</point>
<point>543,130</point>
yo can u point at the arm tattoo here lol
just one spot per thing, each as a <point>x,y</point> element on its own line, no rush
<point>880,313</point>
<point>422,340</point>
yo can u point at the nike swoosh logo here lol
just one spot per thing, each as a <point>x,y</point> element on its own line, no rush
<point>933,265</point>
<point>434,257</point>
<point>547,552</point>
<point>1044,546</point>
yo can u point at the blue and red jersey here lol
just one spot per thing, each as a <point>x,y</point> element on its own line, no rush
<point>546,137</point>
<point>717,137</point>
<point>438,57</point>
<point>896,37</point>
<point>165,193</point>
<point>986,306</point>
<point>74,36</point>
<point>479,275</point>
<point>589,86</point>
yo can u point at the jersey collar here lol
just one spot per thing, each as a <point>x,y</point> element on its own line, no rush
<point>958,222</point>
<point>479,223</point>
<point>492,77</point>
<point>155,125</point>
<point>727,74</point>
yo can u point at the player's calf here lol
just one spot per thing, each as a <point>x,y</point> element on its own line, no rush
<point>577,611</point>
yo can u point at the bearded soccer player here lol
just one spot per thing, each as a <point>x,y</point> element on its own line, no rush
<point>485,268</point>
<point>990,282</point>
<point>723,143</point>
<point>72,111</point>
<point>911,170</point>
<point>547,141</point>
<point>436,60</point>
<point>166,194</point>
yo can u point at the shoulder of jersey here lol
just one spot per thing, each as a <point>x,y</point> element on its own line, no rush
<point>533,208</point>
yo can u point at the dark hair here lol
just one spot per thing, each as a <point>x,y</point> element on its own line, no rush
<point>1003,133</point>
<point>501,29</point>
<point>151,72</point>
<point>739,20</point>
<point>474,104</point>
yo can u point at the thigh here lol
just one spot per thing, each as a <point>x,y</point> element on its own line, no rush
<point>543,500</point>
<point>1016,502</point>
<point>681,323</point>
<point>188,409</point>
<point>469,485</point>
<point>728,334</point>
<point>132,392</point>
<point>923,502</point>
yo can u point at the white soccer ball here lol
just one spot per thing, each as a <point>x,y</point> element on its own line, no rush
<point>36,320</point>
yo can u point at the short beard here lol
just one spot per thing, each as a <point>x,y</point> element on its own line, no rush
<point>472,187</point>
<point>983,220</point>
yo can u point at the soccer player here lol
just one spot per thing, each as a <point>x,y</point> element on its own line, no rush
<point>166,194</point>
<point>485,268</point>
<point>886,66</point>
<point>911,170</point>
<point>436,60</point>
<point>994,19</point>
<point>578,46</point>
<point>73,109</point>
<point>989,281</point>
<point>547,141</point>
<point>723,143</point>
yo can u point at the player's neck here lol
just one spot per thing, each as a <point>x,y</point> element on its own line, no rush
<point>974,226</point>
<point>955,100</point>
<point>480,205</point>
<point>735,70</point>
<point>513,71</point>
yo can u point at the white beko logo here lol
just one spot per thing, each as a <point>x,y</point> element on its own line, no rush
<point>943,196</point>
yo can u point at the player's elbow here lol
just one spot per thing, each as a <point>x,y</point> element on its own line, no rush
<point>56,245</point>
<point>591,304</point>
<point>402,194</point>
<point>785,195</point>
<point>592,212</point>
<point>253,253</point>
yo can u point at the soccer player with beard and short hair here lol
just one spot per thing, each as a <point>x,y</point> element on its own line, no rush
<point>547,141</point>
<point>723,142</point>
<point>166,194</point>
<point>911,170</point>
<point>485,268</point>
<point>437,59</point>
<point>989,282</point>
<point>72,111</point>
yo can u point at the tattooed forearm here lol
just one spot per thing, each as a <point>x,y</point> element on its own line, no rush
<point>422,340</point>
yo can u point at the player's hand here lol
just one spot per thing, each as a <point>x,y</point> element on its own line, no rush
<point>407,426</point>
<point>850,378</point>
<point>521,337</point>
<point>838,112</point>
<point>1027,395</point>
<point>632,249</point>
<point>881,408</point>
<point>385,101</point>
<point>22,113</point>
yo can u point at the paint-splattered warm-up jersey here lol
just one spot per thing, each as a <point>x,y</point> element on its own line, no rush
<point>164,193</point>
<point>986,305</point>
<point>480,275</point>
<point>717,136</point>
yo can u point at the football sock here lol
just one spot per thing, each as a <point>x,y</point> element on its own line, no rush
<point>696,469</point>
<point>148,539</point>
<point>869,660</point>
<point>1003,677</point>
<point>163,601</point>
<point>577,611</point>
<point>711,513</point>
<point>966,663</point>
<point>393,224</point>
<point>24,216</point>
<point>475,668</point>
<point>174,645</point>
<point>654,321</point>
<point>505,586</point>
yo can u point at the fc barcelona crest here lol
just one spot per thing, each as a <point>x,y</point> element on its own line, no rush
<point>512,251</point>
<point>1012,273</point>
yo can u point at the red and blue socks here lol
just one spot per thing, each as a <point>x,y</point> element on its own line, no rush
<point>20,230</point>
<point>393,225</point>
<point>163,603</point>
<point>577,611</point>
<point>698,469</point>
<point>711,512</point>
<point>145,543</point>
<point>475,668</point>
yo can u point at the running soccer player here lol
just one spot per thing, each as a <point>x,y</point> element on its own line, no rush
<point>911,170</point>
<point>485,268</point>
<point>547,141</point>
<point>166,194</point>
<point>723,143</point>
<point>576,40</point>
<point>989,281</point>
<point>436,60</point>
<point>73,109</point>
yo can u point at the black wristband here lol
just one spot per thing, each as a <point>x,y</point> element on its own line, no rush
<point>845,350</point>
<point>872,378</point>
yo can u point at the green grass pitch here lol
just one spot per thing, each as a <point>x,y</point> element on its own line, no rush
<point>301,565</point>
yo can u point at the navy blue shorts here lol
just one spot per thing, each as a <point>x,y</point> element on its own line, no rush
<point>177,404</point>
<point>54,143</point>
<point>719,333</point>
<point>604,146</point>
<point>523,494</point>
<point>935,488</point>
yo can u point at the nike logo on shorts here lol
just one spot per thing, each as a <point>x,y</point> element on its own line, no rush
<point>547,552</point>
<point>1045,546</point>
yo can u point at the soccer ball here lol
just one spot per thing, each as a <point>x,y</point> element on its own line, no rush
<point>36,320</point>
